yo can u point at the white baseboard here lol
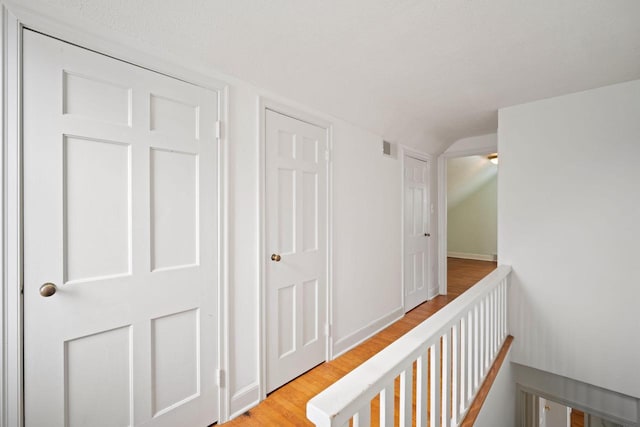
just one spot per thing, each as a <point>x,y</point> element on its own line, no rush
<point>244,399</point>
<point>434,292</point>
<point>347,343</point>
<point>479,257</point>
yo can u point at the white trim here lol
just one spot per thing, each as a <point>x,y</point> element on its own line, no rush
<point>244,399</point>
<point>410,152</point>
<point>442,207</point>
<point>442,224</point>
<point>11,310</point>
<point>478,257</point>
<point>264,104</point>
<point>15,17</point>
<point>224,397</point>
<point>356,338</point>
<point>262,250</point>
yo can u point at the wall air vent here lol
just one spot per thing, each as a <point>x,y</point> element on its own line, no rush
<point>389,149</point>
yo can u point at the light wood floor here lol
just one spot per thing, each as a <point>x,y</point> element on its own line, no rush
<point>462,273</point>
<point>287,405</point>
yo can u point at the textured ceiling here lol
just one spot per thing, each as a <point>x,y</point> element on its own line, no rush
<point>414,71</point>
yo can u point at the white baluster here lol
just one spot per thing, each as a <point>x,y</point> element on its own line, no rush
<point>363,417</point>
<point>476,349</point>
<point>503,303</point>
<point>487,335</point>
<point>386,406</point>
<point>495,311</point>
<point>483,339</point>
<point>505,306</point>
<point>446,379</point>
<point>506,309</point>
<point>470,377</point>
<point>421,390</point>
<point>406,397</point>
<point>494,322</point>
<point>457,373</point>
<point>435,384</point>
<point>464,362</point>
<point>492,329</point>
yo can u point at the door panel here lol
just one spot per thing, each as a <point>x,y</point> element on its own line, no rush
<point>296,220</point>
<point>416,230</point>
<point>120,210</point>
<point>96,168</point>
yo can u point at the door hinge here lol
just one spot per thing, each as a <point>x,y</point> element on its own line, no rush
<point>220,378</point>
<point>327,155</point>
<point>219,129</point>
<point>327,330</point>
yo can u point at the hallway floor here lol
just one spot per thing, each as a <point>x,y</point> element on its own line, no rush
<point>287,405</point>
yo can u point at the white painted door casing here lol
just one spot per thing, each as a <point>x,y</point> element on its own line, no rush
<point>120,212</point>
<point>417,266</point>
<point>296,230</point>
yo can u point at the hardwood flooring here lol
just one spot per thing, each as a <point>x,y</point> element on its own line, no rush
<point>287,405</point>
<point>577,418</point>
<point>463,273</point>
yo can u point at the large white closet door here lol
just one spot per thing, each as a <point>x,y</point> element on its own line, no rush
<point>416,232</point>
<point>120,214</point>
<point>296,237</point>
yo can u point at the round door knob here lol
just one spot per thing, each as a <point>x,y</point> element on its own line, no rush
<point>275,257</point>
<point>48,289</point>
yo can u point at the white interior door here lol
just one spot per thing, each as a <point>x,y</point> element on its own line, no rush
<point>296,241</point>
<point>553,414</point>
<point>416,232</point>
<point>120,207</point>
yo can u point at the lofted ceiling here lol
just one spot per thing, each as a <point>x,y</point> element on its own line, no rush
<point>465,176</point>
<point>419,72</point>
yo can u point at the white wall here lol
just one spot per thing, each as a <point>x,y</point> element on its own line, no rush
<point>568,210</point>
<point>366,211</point>
<point>366,236</point>
<point>499,408</point>
<point>472,223</point>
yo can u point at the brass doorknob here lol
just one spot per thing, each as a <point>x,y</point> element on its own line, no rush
<point>48,289</point>
<point>275,257</point>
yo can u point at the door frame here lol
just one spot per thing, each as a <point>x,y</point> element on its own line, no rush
<point>410,152</point>
<point>14,18</point>
<point>442,207</point>
<point>264,104</point>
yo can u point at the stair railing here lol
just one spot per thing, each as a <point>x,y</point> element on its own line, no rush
<point>448,356</point>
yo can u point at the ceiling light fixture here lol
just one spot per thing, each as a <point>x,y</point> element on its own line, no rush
<point>493,158</point>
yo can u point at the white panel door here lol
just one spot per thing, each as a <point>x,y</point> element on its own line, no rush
<point>296,243</point>
<point>416,232</point>
<point>553,414</point>
<point>120,214</point>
